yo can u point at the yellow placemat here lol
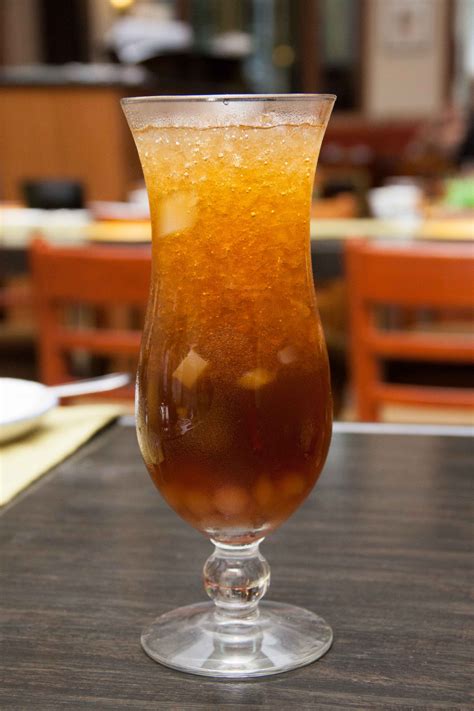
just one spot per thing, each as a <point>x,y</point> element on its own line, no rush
<point>63,431</point>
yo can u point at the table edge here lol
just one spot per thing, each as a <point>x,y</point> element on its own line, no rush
<point>383,428</point>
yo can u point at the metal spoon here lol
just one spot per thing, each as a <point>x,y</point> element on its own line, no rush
<point>92,385</point>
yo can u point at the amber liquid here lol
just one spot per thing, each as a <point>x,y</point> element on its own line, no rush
<point>234,403</point>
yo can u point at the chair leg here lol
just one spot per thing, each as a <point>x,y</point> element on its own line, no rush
<point>366,372</point>
<point>367,410</point>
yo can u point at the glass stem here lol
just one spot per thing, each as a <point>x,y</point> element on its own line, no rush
<point>236,578</point>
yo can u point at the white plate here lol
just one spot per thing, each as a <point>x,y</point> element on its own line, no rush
<point>23,403</point>
<point>102,210</point>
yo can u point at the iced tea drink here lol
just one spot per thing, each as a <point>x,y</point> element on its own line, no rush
<point>234,403</point>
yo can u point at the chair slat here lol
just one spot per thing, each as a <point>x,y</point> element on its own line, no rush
<point>99,342</point>
<point>103,277</point>
<point>424,395</point>
<point>432,347</point>
<point>437,277</point>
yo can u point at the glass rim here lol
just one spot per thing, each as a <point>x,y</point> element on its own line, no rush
<point>214,98</point>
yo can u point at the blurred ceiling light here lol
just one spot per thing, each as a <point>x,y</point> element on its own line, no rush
<point>121,4</point>
<point>283,55</point>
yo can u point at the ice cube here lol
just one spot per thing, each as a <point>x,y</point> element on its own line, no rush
<point>190,369</point>
<point>172,496</point>
<point>292,485</point>
<point>255,379</point>
<point>287,355</point>
<point>198,503</point>
<point>231,500</point>
<point>156,450</point>
<point>177,212</point>
<point>263,491</point>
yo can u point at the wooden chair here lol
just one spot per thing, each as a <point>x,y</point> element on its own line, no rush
<point>99,278</point>
<point>414,278</point>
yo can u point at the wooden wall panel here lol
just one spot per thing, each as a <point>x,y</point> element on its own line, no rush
<point>73,132</point>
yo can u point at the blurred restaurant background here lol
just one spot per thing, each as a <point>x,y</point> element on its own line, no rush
<point>393,211</point>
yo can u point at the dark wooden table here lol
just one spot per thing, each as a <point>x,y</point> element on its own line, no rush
<point>381,549</point>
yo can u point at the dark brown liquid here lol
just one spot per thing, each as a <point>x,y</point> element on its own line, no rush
<point>235,465</point>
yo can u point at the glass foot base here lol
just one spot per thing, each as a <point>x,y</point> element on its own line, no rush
<point>200,640</point>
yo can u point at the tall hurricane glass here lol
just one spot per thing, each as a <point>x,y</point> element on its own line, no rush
<point>234,405</point>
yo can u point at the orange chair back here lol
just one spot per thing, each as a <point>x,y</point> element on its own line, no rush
<point>414,277</point>
<point>99,277</point>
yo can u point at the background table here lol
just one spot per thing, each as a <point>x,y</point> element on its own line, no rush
<point>381,549</point>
